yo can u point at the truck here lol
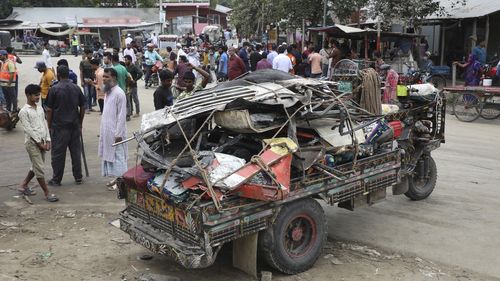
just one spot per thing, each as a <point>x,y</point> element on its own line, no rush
<point>248,160</point>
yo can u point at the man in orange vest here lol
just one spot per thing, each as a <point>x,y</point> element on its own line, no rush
<point>7,79</point>
<point>13,57</point>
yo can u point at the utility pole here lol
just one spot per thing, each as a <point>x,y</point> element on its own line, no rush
<point>161,17</point>
<point>324,23</point>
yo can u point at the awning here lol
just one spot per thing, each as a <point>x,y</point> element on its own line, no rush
<point>29,25</point>
<point>68,31</point>
<point>130,26</point>
<point>340,30</point>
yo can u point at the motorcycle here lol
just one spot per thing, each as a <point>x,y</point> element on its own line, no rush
<point>415,76</point>
<point>154,79</point>
<point>8,120</point>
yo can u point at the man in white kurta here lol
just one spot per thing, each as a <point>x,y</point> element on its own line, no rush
<point>113,127</point>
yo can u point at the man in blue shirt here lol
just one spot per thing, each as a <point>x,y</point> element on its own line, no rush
<point>223,62</point>
<point>72,75</point>
<point>480,52</point>
<point>150,59</point>
<point>243,54</point>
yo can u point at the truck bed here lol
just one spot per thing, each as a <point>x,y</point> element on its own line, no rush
<point>194,234</point>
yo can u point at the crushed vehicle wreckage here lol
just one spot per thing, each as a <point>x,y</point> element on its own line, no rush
<point>250,156</point>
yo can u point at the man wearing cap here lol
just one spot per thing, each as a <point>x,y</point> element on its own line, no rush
<point>426,62</point>
<point>129,52</point>
<point>180,52</point>
<point>46,81</point>
<point>7,81</point>
<point>128,40</point>
<point>150,58</point>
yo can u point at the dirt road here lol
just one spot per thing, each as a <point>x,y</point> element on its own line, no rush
<point>451,236</point>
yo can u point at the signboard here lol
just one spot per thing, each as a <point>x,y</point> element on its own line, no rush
<point>111,21</point>
<point>345,68</point>
<point>345,86</point>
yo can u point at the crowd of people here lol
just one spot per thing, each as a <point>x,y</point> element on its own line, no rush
<point>108,80</point>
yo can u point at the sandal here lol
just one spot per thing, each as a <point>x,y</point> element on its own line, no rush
<point>28,191</point>
<point>111,183</point>
<point>113,187</point>
<point>52,198</point>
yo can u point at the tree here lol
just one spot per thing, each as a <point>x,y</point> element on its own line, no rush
<point>295,11</point>
<point>345,9</point>
<point>408,11</point>
<point>5,9</point>
<point>83,3</point>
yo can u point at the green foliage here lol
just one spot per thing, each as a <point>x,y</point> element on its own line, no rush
<point>82,3</point>
<point>408,11</point>
<point>5,8</point>
<point>344,9</point>
<point>249,16</point>
<point>147,3</point>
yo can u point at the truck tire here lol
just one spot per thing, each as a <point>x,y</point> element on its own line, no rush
<point>421,187</point>
<point>295,240</point>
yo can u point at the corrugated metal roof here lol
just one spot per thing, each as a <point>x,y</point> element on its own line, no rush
<point>70,15</point>
<point>472,9</point>
<point>30,25</point>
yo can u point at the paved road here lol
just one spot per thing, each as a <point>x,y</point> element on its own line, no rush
<point>458,225</point>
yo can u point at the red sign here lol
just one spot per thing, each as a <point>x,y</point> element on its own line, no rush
<point>111,21</point>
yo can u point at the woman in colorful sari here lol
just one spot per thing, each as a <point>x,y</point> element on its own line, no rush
<point>472,69</point>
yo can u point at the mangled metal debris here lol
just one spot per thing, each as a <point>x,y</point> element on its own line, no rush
<point>225,162</point>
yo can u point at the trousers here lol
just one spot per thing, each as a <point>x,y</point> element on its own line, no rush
<point>10,98</point>
<point>62,139</point>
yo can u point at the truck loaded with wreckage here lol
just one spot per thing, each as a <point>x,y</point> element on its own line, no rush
<point>251,156</point>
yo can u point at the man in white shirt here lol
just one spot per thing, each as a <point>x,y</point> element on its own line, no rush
<point>36,140</point>
<point>129,39</point>
<point>282,62</point>
<point>154,39</point>
<point>46,56</point>
<point>180,52</point>
<point>129,51</point>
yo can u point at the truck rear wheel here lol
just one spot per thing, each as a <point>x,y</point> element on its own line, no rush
<point>423,180</point>
<point>295,240</point>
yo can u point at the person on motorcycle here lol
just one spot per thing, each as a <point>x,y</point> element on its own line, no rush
<point>426,62</point>
<point>150,59</point>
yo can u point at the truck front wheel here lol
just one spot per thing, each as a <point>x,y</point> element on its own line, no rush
<point>423,180</point>
<point>295,240</point>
